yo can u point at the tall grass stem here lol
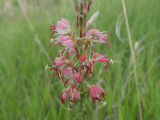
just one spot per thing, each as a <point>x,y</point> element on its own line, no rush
<point>133,57</point>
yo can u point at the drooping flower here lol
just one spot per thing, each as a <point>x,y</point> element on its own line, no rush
<point>65,94</point>
<point>97,93</point>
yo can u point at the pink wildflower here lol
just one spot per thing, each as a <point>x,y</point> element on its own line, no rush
<point>97,92</point>
<point>65,95</point>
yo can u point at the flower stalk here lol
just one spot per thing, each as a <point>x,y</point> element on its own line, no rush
<point>74,63</point>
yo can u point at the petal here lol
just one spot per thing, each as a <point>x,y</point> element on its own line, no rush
<point>61,25</point>
<point>76,95</point>
<point>76,76</point>
<point>102,59</point>
<point>68,43</point>
<point>92,94</point>
<point>63,38</point>
<point>91,64</point>
<point>89,32</point>
<point>67,71</point>
<point>60,63</point>
<point>66,22</point>
<point>71,51</point>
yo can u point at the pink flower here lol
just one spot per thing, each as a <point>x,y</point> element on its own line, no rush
<point>62,25</point>
<point>98,36</point>
<point>83,58</point>
<point>67,70</point>
<point>65,95</point>
<point>97,92</point>
<point>76,76</point>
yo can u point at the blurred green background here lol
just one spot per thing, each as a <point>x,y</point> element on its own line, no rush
<point>28,92</point>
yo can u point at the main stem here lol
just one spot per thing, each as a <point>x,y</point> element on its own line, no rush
<point>81,104</point>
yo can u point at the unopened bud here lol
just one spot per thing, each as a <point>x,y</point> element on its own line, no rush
<point>92,19</point>
<point>77,9</point>
<point>81,26</point>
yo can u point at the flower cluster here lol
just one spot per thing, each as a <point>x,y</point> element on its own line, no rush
<point>75,61</point>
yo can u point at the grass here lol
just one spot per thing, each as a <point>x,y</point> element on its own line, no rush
<point>28,92</point>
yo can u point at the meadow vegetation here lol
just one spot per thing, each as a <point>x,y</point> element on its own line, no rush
<point>29,92</point>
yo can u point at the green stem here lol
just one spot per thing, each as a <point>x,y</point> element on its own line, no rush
<point>81,103</point>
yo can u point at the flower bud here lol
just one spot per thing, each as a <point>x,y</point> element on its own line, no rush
<point>77,9</point>
<point>93,18</point>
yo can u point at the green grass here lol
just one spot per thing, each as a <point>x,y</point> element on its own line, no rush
<point>28,92</point>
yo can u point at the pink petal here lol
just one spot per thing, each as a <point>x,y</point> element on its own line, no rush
<point>94,55</point>
<point>60,63</point>
<point>94,89</point>
<point>83,58</point>
<point>67,71</point>
<point>102,59</point>
<point>76,95</point>
<point>89,32</point>
<point>71,51</point>
<point>76,76</point>
<point>68,43</point>
<point>91,64</point>
<point>92,94</point>
<point>98,89</point>
<point>93,31</point>
<point>61,25</point>
<point>66,22</point>
<point>62,38</point>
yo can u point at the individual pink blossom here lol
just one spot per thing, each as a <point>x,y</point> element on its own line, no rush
<point>97,92</point>
<point>65,95</point>
<point>76,76</point>
<point>63,26</point>
<point>83,58</point>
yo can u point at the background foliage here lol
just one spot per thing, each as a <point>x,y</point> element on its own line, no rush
<point>28,92</point>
